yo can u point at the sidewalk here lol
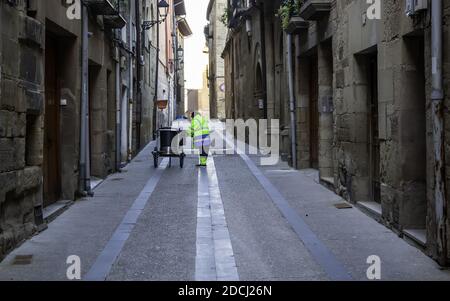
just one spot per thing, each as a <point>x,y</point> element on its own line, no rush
<point>349,234</point>
<point>84,229</point>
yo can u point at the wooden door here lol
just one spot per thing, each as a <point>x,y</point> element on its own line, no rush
<point>51,166</point>
<point>314,115</point>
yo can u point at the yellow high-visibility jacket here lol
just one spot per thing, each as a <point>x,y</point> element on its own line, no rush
<point>199,130</point>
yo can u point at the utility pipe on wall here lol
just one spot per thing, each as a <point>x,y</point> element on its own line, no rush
<point>437,98</point>
<point>176,60</point>
<point>118,115</point>
<point>155,108</point>
<point>292,102</point>
<point>139,106</point>
<point>84,182</point>
<point>131,81</point>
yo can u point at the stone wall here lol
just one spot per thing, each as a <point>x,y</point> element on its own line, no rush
<point>396,51</point>
<point>446,70</point>
<point>247,53</point>
<point>25,32</point>
<point>21,109</point>
<point>351,99</point>
<point>245,56</point>
<point>218,34</point>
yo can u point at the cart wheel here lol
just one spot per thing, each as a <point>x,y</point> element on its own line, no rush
<point>181,161</point>
<point>156,161</point>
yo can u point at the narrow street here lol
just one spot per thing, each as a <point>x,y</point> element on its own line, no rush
<point>234,220</point>
<point>207,142</point>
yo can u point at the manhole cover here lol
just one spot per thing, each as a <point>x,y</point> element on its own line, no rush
<point>343,206</point>
<point>23,259</point>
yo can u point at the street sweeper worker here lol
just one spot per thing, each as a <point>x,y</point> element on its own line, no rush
<point>199,131</point>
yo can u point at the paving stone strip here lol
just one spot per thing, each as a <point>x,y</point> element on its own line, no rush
<point>215,258</point>
<point>102,266</point>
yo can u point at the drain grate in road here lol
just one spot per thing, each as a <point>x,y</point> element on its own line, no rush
<point>23,259</point>
<point>117,179</point>
<point>343,206</point>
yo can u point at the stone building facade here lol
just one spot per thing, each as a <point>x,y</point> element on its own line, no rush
<point>33,41</point>
<point>363,104</point>
<point>183,31</point>
<point>216,33</point>
<point>255,66</point>
<point>40,101</point>
<point>364,111</point>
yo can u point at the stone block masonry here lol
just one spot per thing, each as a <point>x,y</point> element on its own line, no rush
<point>21,77</point>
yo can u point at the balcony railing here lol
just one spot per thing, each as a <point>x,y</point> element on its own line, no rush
<point>238,10</point>
<point>110,10</point>
<point>114,21</point>
<point>103,7</point>
<point>313,10</point>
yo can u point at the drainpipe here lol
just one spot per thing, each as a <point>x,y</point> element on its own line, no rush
<point>176,61</point>
<point>139,39</point>
<point>155,108</point>
<point>84,181</point>
<point>437,98</point>
<point>131,82</point>
<point>118,115</point>
<point>292,103</point>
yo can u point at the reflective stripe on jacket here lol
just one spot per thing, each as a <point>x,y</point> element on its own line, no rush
<point>200,131</point>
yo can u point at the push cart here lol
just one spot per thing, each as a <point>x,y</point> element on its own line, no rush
<point>166,135</point>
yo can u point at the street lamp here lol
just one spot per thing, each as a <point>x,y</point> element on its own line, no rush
<point>163,11</point>
<point>180,52</point>
<point>180,59</point>
<point>163,8</point>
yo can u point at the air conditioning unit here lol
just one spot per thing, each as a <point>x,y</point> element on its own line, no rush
<point>413,7</point>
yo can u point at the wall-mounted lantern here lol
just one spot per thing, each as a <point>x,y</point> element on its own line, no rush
<point>163,11</point>
<point>180,52</point>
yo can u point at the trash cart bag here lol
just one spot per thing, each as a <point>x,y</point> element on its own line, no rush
<point>166,137</point>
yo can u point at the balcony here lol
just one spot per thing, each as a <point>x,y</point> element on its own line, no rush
<point>239,12</point>
<point>297,25</point>
<point>114,21</point>
<point>314,10</point>
<point>103,7</point>
<point>110,10</point>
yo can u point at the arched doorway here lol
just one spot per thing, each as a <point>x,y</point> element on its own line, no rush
<point>259,86</point>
